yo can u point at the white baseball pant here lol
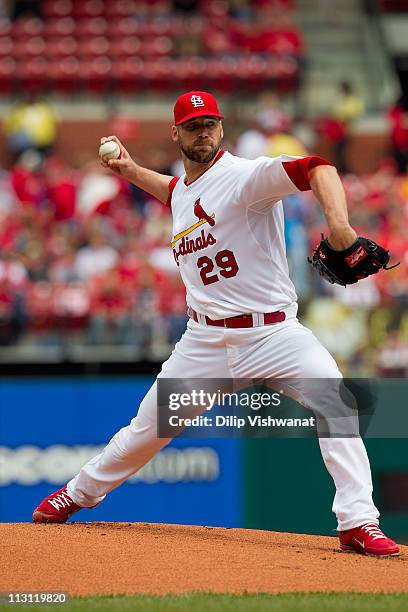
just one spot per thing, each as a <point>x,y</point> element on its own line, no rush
<point>281,350</point>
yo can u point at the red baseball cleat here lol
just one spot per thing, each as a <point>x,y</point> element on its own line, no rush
<point>368,539</point>
<point>56,508</point>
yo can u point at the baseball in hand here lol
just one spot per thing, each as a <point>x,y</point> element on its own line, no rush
<point>109,150</point>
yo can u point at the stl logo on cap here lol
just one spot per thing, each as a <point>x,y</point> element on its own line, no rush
<point>195,104</point>
<point>196,101</point>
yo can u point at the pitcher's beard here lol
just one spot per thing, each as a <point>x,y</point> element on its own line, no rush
<point>200,158</point>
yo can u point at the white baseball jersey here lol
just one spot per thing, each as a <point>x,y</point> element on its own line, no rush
<point>228,237</point>
<point>229,244</point>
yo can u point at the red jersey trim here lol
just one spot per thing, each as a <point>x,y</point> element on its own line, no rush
<point>216,158</point>
<point>298,170</point>
<point>172,185</point>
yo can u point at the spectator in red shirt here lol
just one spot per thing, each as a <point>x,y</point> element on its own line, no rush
<point>111,309</point>
<point>27,179</point>
<point>398,116</point>
<point>61,188</point>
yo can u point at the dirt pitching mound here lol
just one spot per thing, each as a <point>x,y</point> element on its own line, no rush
<point>92,558</point>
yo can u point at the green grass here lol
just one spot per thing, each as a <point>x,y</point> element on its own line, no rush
<point>208,602</point>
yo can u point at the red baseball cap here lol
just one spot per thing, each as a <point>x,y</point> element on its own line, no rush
<point>195,104</point>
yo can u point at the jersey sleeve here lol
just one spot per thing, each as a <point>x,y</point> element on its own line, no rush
<point>267,180</point>
<point>172,185</point>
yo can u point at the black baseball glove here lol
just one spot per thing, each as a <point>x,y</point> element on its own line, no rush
<point>361,259</point>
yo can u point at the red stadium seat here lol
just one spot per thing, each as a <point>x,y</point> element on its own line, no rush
<point>159,46</point>
<point>191,73</point>
<point>97,26</point>
<point>26,27</point>
<point>253,70</point>
<point>156,27</point>
<point>56,28</point>
<point>61,47</point>
<point>87,8</point>
<point>125,47</point>
<point>95,75</point>
<point>160,74</point>
<point>223,74</point>
<point>91,34</point>
<point>32,75</point>
<point>128,74</point>
<point>31,47</point>
<point>94,47</point>
<point>115,9</point>
<point>7,75</point>
<point>55,9</point>
<point>63,74</point>
<point>215,9</point>
<point>6,46</point>
<point>123,27</point>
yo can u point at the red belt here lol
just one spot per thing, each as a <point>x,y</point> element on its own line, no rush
<point>245,320</point>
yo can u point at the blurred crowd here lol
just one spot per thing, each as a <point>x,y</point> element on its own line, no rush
<point>74,46</point>
<point>85,257</point>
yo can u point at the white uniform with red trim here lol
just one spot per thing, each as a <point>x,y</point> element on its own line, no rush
<point>229,244</point>
<point>238,265</point>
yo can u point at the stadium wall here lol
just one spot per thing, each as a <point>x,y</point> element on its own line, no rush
<point>49,427</point>
<point>78,139</point>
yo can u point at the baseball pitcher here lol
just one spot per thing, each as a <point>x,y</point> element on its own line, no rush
<point>228,242</point>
